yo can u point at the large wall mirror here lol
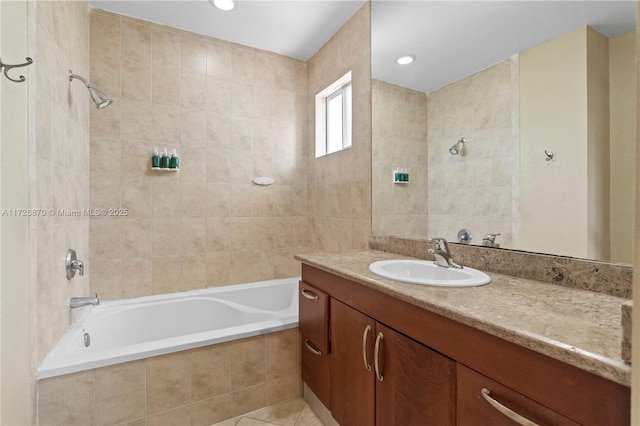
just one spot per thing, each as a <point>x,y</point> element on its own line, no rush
<point>515,118</point>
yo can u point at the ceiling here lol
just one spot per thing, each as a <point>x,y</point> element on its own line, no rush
<point>450,39</point>
<point>453,39</point>
<point>297,29</point>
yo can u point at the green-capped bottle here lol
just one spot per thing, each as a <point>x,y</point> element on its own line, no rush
<point>155,159</point>
<point>164,163</point>
<point>175,161</point>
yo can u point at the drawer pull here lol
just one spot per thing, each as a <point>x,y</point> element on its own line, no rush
<point>364,347</point>
<point>309,295</point>
<point>376,356</point>
<point>506,411</point>
<point>311,348</point>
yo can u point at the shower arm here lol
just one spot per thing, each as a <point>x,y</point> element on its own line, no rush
<point>72,76</point>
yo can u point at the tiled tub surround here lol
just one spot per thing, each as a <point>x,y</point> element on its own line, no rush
<point>198,387</point>
<point>578,327</point>
<point>215,102</point>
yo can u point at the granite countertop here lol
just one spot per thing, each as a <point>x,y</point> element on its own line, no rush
<point>579,327</point>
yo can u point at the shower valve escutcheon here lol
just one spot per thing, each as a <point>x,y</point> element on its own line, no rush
<point>73,264</point>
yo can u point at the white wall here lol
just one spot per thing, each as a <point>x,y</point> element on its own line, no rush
<point>15,304</point>
<point>558,210</point>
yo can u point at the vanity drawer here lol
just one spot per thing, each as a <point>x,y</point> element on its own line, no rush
<point>314,316</point>
<point>316,370</point>
<point>474,408</point>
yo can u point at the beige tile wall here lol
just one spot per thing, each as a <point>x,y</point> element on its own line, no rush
<point>475,189</point>
<point>399,139</point>
<point>233,113</point>
<point>59,167</point>
<point>197,387</point>
<point>340,183</point>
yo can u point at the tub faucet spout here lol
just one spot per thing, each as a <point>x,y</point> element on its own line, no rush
<point>77,302</point>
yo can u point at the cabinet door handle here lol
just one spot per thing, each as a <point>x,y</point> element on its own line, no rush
<point>376,356</point>
<point>365,335</point>
<point>311,348</point>
<point>505,410</point>
<point>309,295</point>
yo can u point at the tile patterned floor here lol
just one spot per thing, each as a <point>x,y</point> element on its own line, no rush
<point>295,412</point>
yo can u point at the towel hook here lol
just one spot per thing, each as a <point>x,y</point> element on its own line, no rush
<point>8,67</point>
<point>549,155</point>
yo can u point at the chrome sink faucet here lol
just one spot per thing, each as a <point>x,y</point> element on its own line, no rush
<point>77,302</point>
<point>442,254</point>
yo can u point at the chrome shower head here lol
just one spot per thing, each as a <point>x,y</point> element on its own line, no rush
<point>98,96</point>
<point>457,147</point>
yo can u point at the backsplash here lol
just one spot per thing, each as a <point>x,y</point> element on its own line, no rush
<point>597,276</point>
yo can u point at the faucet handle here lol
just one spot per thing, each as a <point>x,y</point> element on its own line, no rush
<point>73,264</point>
<point>79,266</point>
<point>489,240</point>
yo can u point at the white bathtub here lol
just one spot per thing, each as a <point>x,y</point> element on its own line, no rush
<point>132,329</point>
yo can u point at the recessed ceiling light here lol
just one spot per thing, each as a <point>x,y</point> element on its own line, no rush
<point>405,60</point>
<point>225,5</point>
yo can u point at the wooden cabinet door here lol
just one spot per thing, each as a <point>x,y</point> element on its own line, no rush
<point>352,384</point>
<point>475,409</point>
<point>316,371</point>
<point>418,385</point>
<point>313,318</point>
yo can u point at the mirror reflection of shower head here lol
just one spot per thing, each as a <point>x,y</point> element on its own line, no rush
<point>98,96</point>
<point>457,147</point>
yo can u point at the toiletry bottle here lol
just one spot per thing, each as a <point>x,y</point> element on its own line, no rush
<point>165,159</point>
<point>175,161</point>
<point>155,159</point>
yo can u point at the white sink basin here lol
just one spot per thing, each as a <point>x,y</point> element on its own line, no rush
<point>428,273</point>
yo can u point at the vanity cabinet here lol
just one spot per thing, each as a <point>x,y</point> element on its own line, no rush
<point>382,377</point>
<point>431,365</point>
